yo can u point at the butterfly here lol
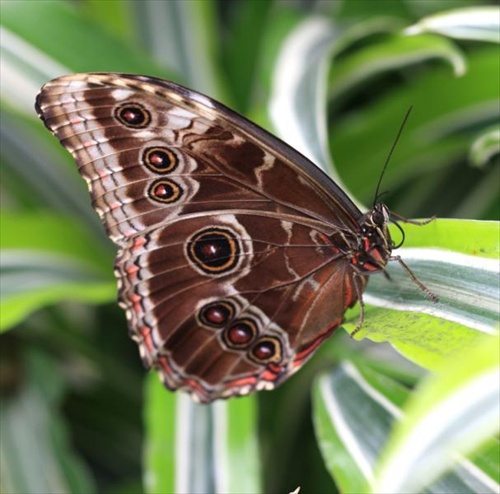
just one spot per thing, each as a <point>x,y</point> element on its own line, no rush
<point>237,256</point>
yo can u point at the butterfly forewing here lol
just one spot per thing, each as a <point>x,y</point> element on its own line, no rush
<point>236,253</point>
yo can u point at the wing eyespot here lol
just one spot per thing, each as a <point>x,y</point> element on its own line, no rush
<point>214,250</point>
<point>266,350</point>
<point>240,334</point>
<point>165,191</point>
<point>159,159</point>
<point>217,314</point>
<point>133,115</point>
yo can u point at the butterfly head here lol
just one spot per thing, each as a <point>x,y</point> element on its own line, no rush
<point>373,241</point>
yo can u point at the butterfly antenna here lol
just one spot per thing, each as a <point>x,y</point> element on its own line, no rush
<point>402,126</point>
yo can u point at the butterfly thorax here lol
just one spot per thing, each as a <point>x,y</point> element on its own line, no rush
<point>372,247</point>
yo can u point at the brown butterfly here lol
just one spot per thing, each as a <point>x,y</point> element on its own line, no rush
<point>237,256</point>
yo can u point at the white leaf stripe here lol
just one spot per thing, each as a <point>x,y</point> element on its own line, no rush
<point>340,415</point>
<point>467,286</point>
<point>451,422</point>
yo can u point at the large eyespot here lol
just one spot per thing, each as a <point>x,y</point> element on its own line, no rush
<point>214,250</point>
<point>266,350</point>
<point>160,159</point>
<point>217,314</point>
<point>240,333</point>
<point>164,190</point>
<point>133,115</point>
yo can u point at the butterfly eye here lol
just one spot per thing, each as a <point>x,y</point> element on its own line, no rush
<point>380,215</point>
<point>133,115</point>
<point>378,218</point>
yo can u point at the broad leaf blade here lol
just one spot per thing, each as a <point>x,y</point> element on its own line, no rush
<point>33,279</point>
<point>352,422</point>
<point>466,282</point>
<point>46,259</point>
<point>455,412</point>
<point>475,23</point>
<point>34,444</point>
<point>297,103</point>
<point>199,448</point>
<point>486,147</point>
<point>355,411</point>
<point>466,287</point>
<point>182,37</point>
<point>393,53</point>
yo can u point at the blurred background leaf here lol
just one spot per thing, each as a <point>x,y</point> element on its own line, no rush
<point>66,355</point>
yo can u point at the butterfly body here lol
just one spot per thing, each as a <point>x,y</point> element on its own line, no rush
<point>237,256</point>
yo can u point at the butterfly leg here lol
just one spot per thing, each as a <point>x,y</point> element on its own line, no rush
<point>430,295</point>
<point>359,293</point>
<point>412,222</point>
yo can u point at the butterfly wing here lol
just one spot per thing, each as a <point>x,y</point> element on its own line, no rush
<point>232,265</point>
<point>239,311</point>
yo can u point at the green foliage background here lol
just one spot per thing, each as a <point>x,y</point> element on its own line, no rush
<point>77,414</point>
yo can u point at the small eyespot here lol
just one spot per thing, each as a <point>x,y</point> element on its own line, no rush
<point>214,250</point>
<point>267,349</point>
<point>133,115</point>
<point>165,191</point>
<point>160,159</point>
<point>240,333</point>
<point>217,314</point>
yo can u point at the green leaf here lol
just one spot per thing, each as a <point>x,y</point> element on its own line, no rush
<point>471,237</point>
<point>182,36</point>
<point>447,113</point>
<point>486,147</point>
<point>297,103</point>
<point>455,412</point>
<point>32,279</point>
<point>46,259</point>
<point>29,57</point>
<point>355,412</point>
<point>199,448</point>
<point>159,448</point>
<point>244,40</point>
<point>54,234</point>
<point>114,16</point>
<point>34,443</point>
<point>466,283</point>
<point>393,52</point>
<point>352,422</point>
<point>477,23</point>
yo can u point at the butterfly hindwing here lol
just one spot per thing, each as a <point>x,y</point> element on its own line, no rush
<point>204,294</point>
